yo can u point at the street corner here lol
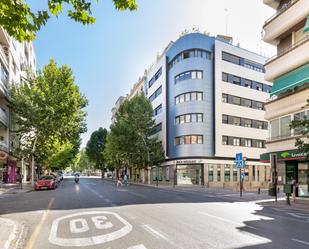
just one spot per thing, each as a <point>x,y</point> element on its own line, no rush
<point>88,229</point>
<point>11,233</point>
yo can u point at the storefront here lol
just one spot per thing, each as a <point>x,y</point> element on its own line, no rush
<point>292,164</point>
<point>189,174</point>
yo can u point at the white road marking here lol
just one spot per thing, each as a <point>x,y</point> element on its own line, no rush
<point>300,215</point>
<point>78,229</point>
<point>227,220</point>
<point>154,232</point>
<point>88,241</point>
<point>301,241</point>
<point>12,235</point>
<point>137,247</point>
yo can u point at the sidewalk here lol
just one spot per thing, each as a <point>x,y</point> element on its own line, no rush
<point>15,188</point>
<point>301,204</point>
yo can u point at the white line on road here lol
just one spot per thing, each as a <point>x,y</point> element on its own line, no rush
<point>226,220</point>
<point>301,241</point>
<point>137,247</point>
<point>154,232</point>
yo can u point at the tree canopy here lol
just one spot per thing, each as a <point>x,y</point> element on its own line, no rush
<point>22,22</point>
<point>48,113</point>
<point>95,148</point>
<point>132,141</point>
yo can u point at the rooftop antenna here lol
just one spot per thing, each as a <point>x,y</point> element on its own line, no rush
<point>226,20</point>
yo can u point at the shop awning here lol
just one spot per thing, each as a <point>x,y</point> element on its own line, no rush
<point>285,155</point>
<point>289,81</point>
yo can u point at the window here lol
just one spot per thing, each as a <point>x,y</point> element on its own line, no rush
<point>235,174</point>
<point>285,126</point>
<point>189,75</point>
<point>224,98</point>
<point>210,173</point>
<point>224,119</point>
<point>190,96</point>
<point>259,105</point>
<point>247,103</point>
<point>225,77</point>
<point>157,111</point>
<point>188,118</point>
<point>236,100</point>
<point>258,124</point>
<point>259,144</point>
<point>299,116</point>
<point>247,83</point>
<point>231,58</point>
<point>218,173</point>
<point>224,140</point>
<point>189,54</point>
<point>189,139</point>
<point>236,141</point>
<point>193,96</point>
<point>187,97</point>
<point>274,128</point>
<point>236,80</point>
<point>156,94</point>
<point>236,121</point>
<point>259,86</point>
<point>155,77</point>
<point>158,128</point>
<point>227,173</point>
<point>247,122</point>
<point>248,142</point>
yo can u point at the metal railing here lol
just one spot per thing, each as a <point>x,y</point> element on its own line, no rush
<point>288,49</point>
<point>280,11</point>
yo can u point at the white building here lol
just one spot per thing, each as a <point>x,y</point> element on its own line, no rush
<point>16,59</point>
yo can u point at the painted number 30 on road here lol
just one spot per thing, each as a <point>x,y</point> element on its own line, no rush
<point>78,225</point>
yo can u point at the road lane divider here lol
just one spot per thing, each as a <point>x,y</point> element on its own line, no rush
<point>301,241</point>
<point>157,234</point>
<point>39,226</point>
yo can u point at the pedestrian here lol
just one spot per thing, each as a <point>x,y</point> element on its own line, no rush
<point>294,186</point>
<point>125,179</point>
<point>119,182</point>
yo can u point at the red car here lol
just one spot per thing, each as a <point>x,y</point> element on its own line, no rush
<point>45,182</point>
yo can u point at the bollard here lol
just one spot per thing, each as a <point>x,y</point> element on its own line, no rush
<point>278,190</point>
<point>288,199</point>
<point>259,191</point>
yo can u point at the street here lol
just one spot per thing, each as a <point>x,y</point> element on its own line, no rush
<point>96,214</point>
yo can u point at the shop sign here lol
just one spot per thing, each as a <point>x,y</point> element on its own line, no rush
<point>284,155</point>
<point>193,161</point>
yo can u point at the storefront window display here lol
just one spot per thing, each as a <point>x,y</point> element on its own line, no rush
<point>189,174</point>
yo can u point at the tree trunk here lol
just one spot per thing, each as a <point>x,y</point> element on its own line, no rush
<point>102,173</point>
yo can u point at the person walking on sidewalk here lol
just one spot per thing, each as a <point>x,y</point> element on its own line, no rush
<point>119,182</point>
<point>294,185</point>
<point>125,179</point>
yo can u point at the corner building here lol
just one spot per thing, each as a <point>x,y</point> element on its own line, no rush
<point>208,98</point>
<point>288,29</point>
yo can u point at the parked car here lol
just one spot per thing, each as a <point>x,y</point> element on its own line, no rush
<point>46,182</point>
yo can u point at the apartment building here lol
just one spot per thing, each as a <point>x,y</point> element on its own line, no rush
<point>288,29</point>
<point>15,60</point>
<point>208,101</point>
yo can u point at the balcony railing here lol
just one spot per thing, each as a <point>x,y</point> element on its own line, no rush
<point>288,49</point>
<point>280,11</point>
<point>292,135</point>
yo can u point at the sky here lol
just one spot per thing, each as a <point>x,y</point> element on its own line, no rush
<point>108,57</point>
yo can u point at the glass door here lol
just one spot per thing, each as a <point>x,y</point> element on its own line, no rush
<point>303,179</point>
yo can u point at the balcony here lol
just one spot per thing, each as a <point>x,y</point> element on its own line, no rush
<point>286,18</point>
<point>287,60</point>
<point>4,117</point>
<point>4,87</point>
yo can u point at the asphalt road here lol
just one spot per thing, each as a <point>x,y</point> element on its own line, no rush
<point>96,214</point>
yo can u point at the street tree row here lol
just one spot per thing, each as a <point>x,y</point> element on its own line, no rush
<point>48,117</point>
<point>132,141</point>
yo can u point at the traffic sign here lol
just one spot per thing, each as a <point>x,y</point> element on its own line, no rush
<point>239,160</point>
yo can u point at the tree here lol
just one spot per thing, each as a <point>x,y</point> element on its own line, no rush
<point>95,148</point>
<point>22,22</point>
<point>48,112</point>
<point>302,127</point>
<point>132,141</point>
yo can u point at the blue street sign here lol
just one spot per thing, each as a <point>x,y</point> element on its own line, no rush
<point>239,160</point>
